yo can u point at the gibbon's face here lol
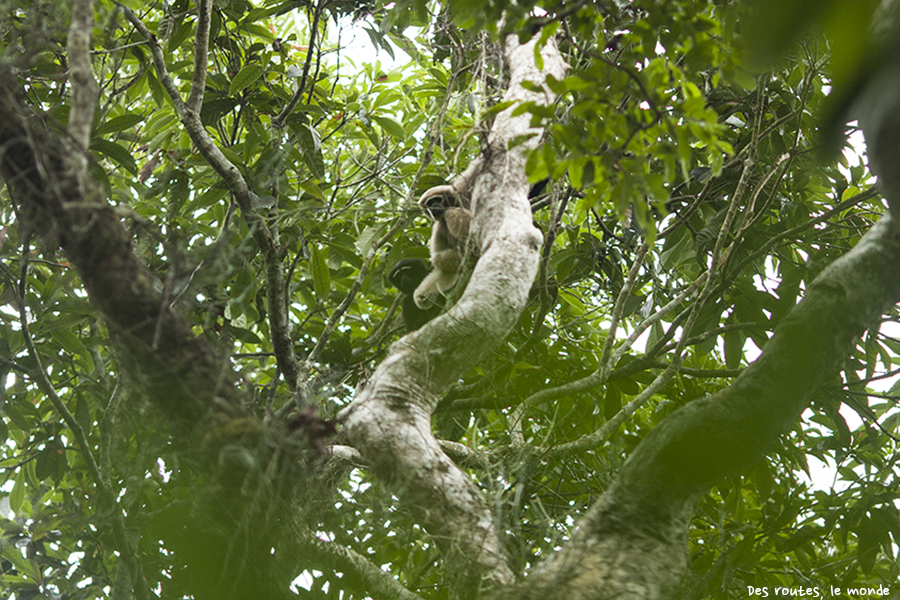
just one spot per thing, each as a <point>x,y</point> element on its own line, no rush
<point>407,274</point>
<point>435,206</point>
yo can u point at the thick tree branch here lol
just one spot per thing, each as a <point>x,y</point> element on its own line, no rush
<point>201,50</point>
<point>646,511</point>
<point>188,378</point>
<point>390,420</point>
<point>81,75</point>
<point>179,373</point>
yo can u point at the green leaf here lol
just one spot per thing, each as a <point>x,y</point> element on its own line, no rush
<point>612,402</point>
<point>366,238</point>
<point>17,418</point>
<point>734,348</point>
<point>391,126</point>
<point>45,465</point>
<point>871,353</point>
<point>575,173</point>
<point>245,335</point>
<point>83,413</point>
<point>70,341</point>
<point>116,153</point>
<point>311,188</point>
<point>628,386</point>
<point>213,110</point>
<point>311,150</point>
<point>179,34</point>
<point>320,274</point>
<point>210,196</point>
<point>244,78</point>
<point>156,90</point>
<point>17,495</point>
<point>258,31</point>
<point>120,123</point>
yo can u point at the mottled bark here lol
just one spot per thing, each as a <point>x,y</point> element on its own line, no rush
<point>187,378</point>
<point>191,385</point>
<point>390,421</point>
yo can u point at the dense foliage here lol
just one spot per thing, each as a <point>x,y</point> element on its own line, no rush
<point>666,157</point>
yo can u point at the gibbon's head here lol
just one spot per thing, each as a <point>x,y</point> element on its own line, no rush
<point>407,274</point>
<point>438,199</point>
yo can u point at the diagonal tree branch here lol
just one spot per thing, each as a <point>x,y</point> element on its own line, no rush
<point>646,511</point>
<point>390,421</point>
<point>372,581</point>
<point>118,283</point>
<point>266,238</point>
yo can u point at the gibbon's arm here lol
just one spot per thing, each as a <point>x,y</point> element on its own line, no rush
<point>434,287</point>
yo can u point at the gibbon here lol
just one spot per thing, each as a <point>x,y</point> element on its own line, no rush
<point>449,209</point>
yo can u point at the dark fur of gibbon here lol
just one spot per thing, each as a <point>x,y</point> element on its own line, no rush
<point>449,210</point>
<point>538,188</point>
<point>406,276</point>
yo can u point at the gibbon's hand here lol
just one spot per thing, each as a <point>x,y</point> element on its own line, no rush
<point>406,276</point>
